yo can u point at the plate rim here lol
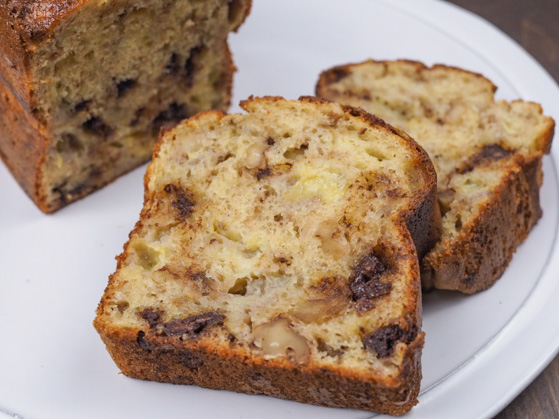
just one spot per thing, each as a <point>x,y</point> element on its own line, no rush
<point>446,397</point>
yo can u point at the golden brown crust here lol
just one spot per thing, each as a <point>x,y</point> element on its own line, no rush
<point>22,144</point>
<point>478,256</point>
<point>176,361</point>
<point>26,24</point>
<point>243,8</point>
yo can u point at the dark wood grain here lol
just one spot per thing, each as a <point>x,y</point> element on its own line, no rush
<point>540,400</point>
<point>534,24</point>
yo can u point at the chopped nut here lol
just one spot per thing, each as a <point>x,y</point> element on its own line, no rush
<point>122,306</point>
<point>169,117</point>
<point>190,65</point>
<point>275,338</point>
<point>262,173</point>
<point>255,154</point>
<point>124,86</point>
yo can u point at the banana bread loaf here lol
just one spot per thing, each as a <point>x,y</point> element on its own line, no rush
<point>275,255</point>
<point>487,153</point>
<point>87,84</point>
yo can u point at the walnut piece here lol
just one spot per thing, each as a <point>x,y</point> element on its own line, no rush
<point>276,338</point>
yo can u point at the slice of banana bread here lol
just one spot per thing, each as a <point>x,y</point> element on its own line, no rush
<point>487,153</point>
<point>86,85</point>
<point>275,255</point>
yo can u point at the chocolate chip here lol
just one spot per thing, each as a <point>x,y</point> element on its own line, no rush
<point>190,65</point>
<point>364,282</point>
<point>494,152</point>
<point>192,326</point>
<point>383,340</point>
<point>124,86</point>
<point>487,154</point>
<point>152,316</point>
<point>97,126</point>
<point>169,117</point>
<point>262,173</point>
<point>141,341</point>
<point>270,141</point>
<point>173,67</point>
<point>137,117</point>
<point>182,202</point>
<point>80,106</point>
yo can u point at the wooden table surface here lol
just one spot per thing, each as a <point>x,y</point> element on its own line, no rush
<point>534,24</point>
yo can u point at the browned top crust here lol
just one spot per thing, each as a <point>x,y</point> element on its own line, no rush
<point>34,19</point>
<point>25,24</point>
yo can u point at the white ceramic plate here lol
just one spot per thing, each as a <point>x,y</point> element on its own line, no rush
<point>480,351</point>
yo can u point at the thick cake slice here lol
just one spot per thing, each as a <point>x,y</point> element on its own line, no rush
<point>275,255</point>
<point>87,84</point>
<point>487,153</point>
